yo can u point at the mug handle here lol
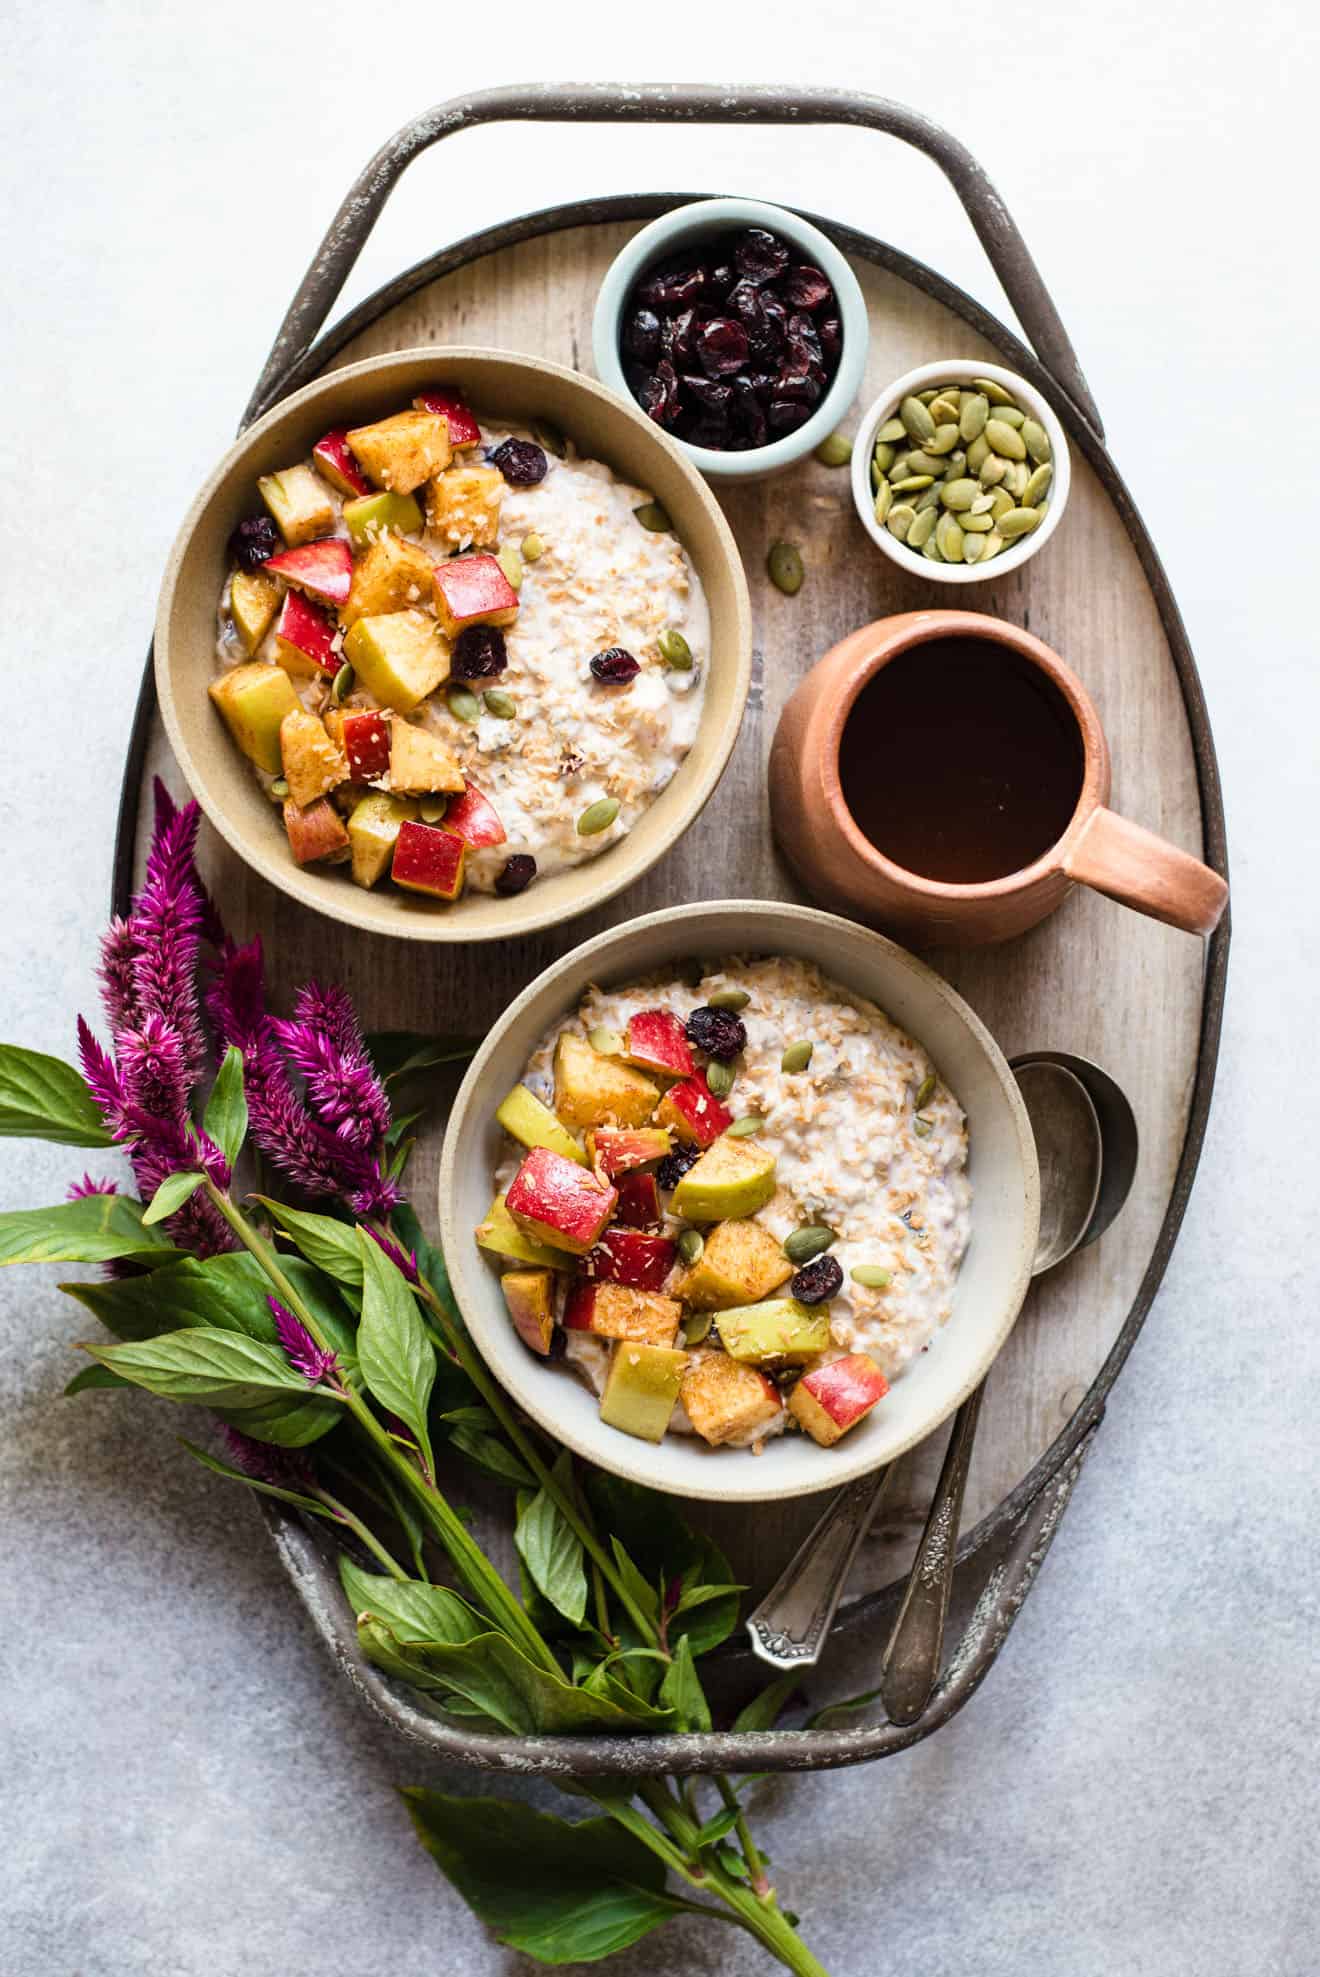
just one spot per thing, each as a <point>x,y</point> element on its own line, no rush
<point>1132,865</point>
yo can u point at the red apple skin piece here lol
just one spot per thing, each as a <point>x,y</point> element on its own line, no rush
<point>639,1202</point>
<point>616,1150</point>
<point>336,464</point>
<point>473,590</point>
<point>631,1257</point>
<point>657,1042</point>
<point>316,832</point>
<point>578,1305</point>
<point>463,428</point>
<point>366,744</point>
<point>556,1201</point>
<point>695,1112</point>
<point>428,859</point>
<point>474,818</point>
<point>833,1398</point>
<point>323,569</point>
<point>309,632</point>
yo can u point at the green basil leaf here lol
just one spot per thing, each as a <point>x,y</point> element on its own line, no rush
<point>220,1468</point>
<point>699,1595</point>
<point>642,1593</point>
<point>288,1420</point>
<point>43,1098</point>
<point>225,1368</point>
<point>552,1550</point>
<point>429,1260</point>
<point>94,1378</point>
<point>633,1701</point>
<point>682,1692</point>
<point>332,1246</point>
<point>98,1228</point>
<point>226,1115</point>
<point>412,1609</point>
<point>394,1349</point>
<point>733,1863</point>
<point>556,1891</point>
<point>765,1709</point>
<point>715,1829</point>
<point>227,1293</point>
<point>173,1191</point>
<point>491,1457</point>
<point>666,1548</point>
<point>845,1707</point>
<point>398,1053</point>
<point>398,1127</point>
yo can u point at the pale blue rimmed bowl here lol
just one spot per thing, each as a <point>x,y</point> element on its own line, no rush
<point>678,229</point>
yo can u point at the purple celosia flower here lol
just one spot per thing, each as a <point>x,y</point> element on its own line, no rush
<point>118,988</point>
<point>79,1190</point>
<point>103,1079</point>
<point>408,1263</point>
<point>212,927</point>
<point>300,1348</point>
<point>153,1071</point>
<point>324,1042</point>
<point>165,925</point>
<point>284,1468</point>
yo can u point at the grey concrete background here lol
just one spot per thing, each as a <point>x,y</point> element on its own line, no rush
<point>186,1789</point>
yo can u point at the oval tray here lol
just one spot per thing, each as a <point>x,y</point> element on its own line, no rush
<point>1138,998</point>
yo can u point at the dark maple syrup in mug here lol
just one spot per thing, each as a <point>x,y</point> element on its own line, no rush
<point>961,761</point>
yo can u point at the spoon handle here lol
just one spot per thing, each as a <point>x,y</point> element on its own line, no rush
<point>911,1664</point>
<point>789,1627</point>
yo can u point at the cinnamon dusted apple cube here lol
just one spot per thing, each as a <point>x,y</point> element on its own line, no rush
<point>313,765</point>
<point>475,819</point>
<point>428,859</point>
<point>634,1257</point>
<point>558,1202</point>
<point>390,575</point>
<point>617,1311</point>
<point>372,515</point>
<point>594,1090</point>
<point>529,1296</point>
<point>373,832</point>
<point>401,452</point>
<point>656,1042</point>
<point>500,1234</point>
<point>693,1113</point>
<point>463,506</point>
<point>299,504</point>
<point>305,638</point>
<point>464,432</point>
<point>732,1178</point>
<point>315,833</point>
<point>831,1399</point>
<point>420,764</point>
<point>254,598</point>
<point>334,463</point>
<point>399,657</point>
<point>364,735</point>
<point>779,1329</point>
<point>740,1264</point>
<point>727,1402</point>
<point>323,569</point>
<point>641,1389</point>
<point>524,1116</point>
<point>473,590</point>
<point>254,700</point>
<point>639,1201</point>
<point>616,1151</point>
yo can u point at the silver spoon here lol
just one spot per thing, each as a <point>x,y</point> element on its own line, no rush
<point>1086,1143</point>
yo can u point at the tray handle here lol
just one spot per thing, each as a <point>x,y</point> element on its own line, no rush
<point>661,103</point>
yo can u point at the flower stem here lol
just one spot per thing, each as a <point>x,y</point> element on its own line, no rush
<point>751,1852</point>
<point>360,1530</point>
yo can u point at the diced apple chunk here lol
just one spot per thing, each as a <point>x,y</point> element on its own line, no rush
<point>656,1041</point>
<point>780,1329</point>
<point>473,590</point>
<point>390,575</point>
<point>732,1178</point>
<point>254,598</point>
<point>336,464</point>
<point>740,1264</point>
<point>254,700</point>
<point>594,1090</point>
<point>693,1113</point>
<point>463,428</point>
<point>373,830</point>
<point>324,569</point>
<point>420,764</point>
<point>641,1389</point>
<point>401,452</point>
<point>364,735</point>
<point>559,1202</point>
<point>635,1257</point>
<point>725,1401</point>
<point>617,1152</point>
<point>500,1234</point>
<point>463,507</point>
<point>305,638</point>
<point>835,1397</point>
<point>429,860</point>
<point>299,504</point>
<point>524,1116</point>
<point>529,1296</point>
<point>315,833</point>
<point>313,765</point>
<point>376,515</point>
<point>475,819</point>
<point>619,1311</point>
<point>399,657</point>
<point>639,1202</point>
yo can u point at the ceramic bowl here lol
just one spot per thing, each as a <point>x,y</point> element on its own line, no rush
<point>689,223</point>
<point>503,386</point>
<point>959,371</point>
<point>1005,1203</point>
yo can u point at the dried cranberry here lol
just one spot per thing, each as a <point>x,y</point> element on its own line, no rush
<point>614,667</point>
<point>253,541</point>
<point>760,255</point>
<point>518,873</point>
<point>806,287</point>
<point>674,1165</point>
<point>766,337</point>
<point>783,416</point>
<point>747,303</point>
<point>670,286</point>
<point>831,338</point>
<point>748,411</point>
<point>521,461</point>
<point>798,390</point>
<point>677,339</point>
<point>721,346</point>
<point>718,1032</point>
<point>479,653</point>
<point>708,392</point>
<point>818,1280</point>
<point>711,431</point>
<point>641,335</point>
<point>801,329</point>
<point>720,279</point>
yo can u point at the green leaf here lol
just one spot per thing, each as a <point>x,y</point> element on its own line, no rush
<point>173,1191</point>
<point>492,1457</point>
<point>394,1350</point>
<point>93,1379</point>
<point>698,1595</point>
<point>714,1829</point>
<point>220,1468</point>
<point>557,1891</point>
<point>765,1709</point>
<point>289,1420</point>
<point>429,1260</point>
<point>665,1548</point>
<point>226,1115</point>
<point>398,1053</point>
<point>332,1246</point>
<point>43,1098</point>
<point>640,1590</point>
<point>98,1228</point>
<point>398,1127</point>
<point>682,1692</point>
<point>846,1707</point>
<point>552,1550</point>
<point>225,1368</point>
<point>412,1609</point>
<point>227,1293</point>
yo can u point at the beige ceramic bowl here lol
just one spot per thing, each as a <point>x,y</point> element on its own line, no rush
<point>1005,1198</point>
<point>502,386</point>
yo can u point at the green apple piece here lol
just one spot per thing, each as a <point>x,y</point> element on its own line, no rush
<point>731,1178</point>
<point>523,1115</point>
<point>254,700</point>
<point>501,1234</point>
<point>372,514</point>
<point>300,503</point>
<point>398,657</point>
<point>781,1328</point>
<point>641,1389</point>
<point>373,829</point>
<point>254,598</point>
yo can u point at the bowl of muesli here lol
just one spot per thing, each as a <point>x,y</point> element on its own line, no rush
<point>453,645</point>
<point>739,1200</point>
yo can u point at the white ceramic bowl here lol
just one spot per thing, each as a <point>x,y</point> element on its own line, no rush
<point>1005,1198</point>
<point>959,371</point>
<point>706,216</point>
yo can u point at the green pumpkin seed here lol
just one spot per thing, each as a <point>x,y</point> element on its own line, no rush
<point>929,397</point>
<point>973,548</point>
<point>990,545</point>
<point>433,809</point>
<point>959,494</point>
<point>785,566</point>
<point>881,460</point>
<point>976,524</point>
<point>921,1127</point>
<point>930,547</point>
<point>1015,480</point>
<point>1037,440</point>
<point>928,498</point>
<point>279,789</point>
<point>949,538</point>
<point>992,471</point>
<point>742,1129</point>
<point>719,1079</point>
<point>835,450</point>
<point>925,1092</point>
<point>1000,503</point>
<point>598,817</point>
<point>533,549</point>
<point>1033,494</point>
<point>697,1324</point>
<point>501,704</point>
<point>978,453</point>
<point>871,1276</point>
<point>803,1244</point>
<point>550,437</point>
<point>981,504</point>
<point>730,998</point>
<point>463,705</point>
<point>892,433</point>
<point>797,1057</point>
<point>994,392</point>
<point>923,527</point>
<point>608,1043</point>
<point>917,422</point>
<point>883,501</point>
<point>913,483</point>
<point>690,1246</point>
<point>343,685</point>
<point>511,563</point>
<point>900,520</point>
<point>899,465</point>
<point>975,411</point>
<point>944,409</point>
<point>675,650</point>
<point>1018,521</point>
<point>653,517</point>
<point>946,438</point>
<point>921,462</point>
<point>1005,439</point>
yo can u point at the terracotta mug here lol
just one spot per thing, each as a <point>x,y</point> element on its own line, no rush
<point>839,864</point>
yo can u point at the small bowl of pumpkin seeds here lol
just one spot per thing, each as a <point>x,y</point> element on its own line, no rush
<point>960,470</point>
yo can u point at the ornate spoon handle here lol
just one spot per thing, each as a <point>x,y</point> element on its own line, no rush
<point>789,1627</point>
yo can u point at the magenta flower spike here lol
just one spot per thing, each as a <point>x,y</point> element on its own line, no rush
<point>324,1043</point>
<point>300,1348</point>
<point>282,1468</point>
<point>407,1264</point>
<point>79,1190</point>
